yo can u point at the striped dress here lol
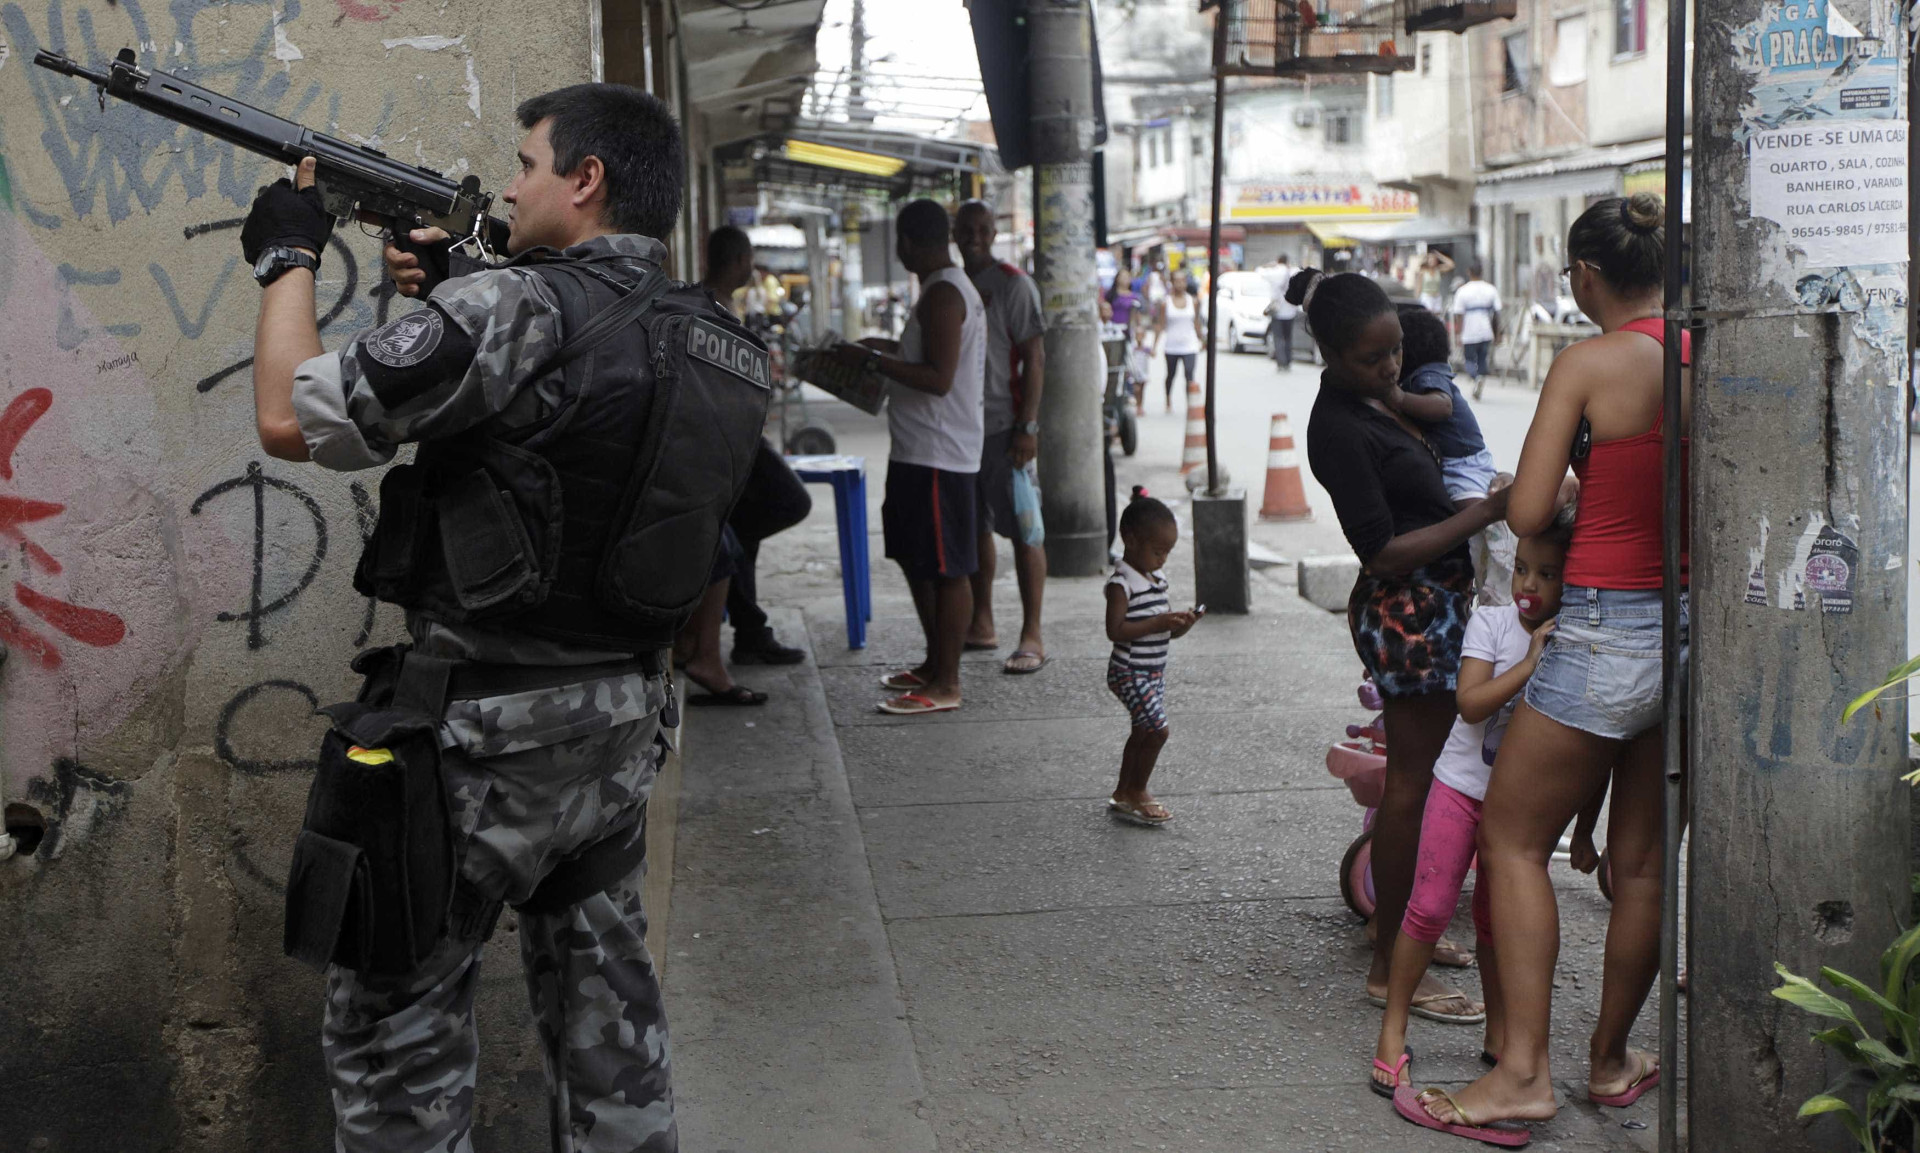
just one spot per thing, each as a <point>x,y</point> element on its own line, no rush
<point>1137,672</point>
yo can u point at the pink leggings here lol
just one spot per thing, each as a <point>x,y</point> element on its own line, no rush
<point>1446,848</point>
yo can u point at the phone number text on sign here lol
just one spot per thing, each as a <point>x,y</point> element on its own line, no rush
<point>1839,191</point>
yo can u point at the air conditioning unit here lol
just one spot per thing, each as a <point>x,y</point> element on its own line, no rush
<point>1306,116</point>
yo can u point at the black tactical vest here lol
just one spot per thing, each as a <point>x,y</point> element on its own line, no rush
<point>598,526</point>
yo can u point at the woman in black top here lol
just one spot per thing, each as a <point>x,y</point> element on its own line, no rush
<point>1409,609</point>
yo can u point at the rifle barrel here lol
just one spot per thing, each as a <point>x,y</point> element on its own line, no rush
<point>67,66</point>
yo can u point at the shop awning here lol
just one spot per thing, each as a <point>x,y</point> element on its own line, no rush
<point>1403,231</point>
<point>1589,172</point>
<point>1329,235</point>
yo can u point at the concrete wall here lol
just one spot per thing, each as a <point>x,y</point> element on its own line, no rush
<point>1424,136</point>
<point>175,602</point>
<point>1627,92</point>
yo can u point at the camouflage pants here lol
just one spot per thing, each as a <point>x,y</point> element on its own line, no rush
<point>401,1051</point>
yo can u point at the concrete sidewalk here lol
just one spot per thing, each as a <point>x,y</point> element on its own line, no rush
<point>925,933</point>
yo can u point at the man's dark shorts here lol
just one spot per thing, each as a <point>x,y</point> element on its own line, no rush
<point>928,521</point>
<point>996,486</point>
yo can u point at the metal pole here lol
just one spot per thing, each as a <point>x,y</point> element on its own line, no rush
<point>1799,850</point>
<point>1213,232</point>
<point>1060,73</point>
<point>1673,690</point>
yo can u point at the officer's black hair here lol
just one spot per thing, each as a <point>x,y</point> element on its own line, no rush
<point>974,205</point>
<point>1625,238</point>
<point>1144,512</point>
<point>925,223</point>
<point>1338,307</point>
<point>725,245</point>
<point>636,139</point>
<point>1423,339</point>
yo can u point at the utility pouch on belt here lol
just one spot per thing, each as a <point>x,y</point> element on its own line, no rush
<point>373,870</point>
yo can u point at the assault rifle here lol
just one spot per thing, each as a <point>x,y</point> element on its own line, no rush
<point>354,180</point>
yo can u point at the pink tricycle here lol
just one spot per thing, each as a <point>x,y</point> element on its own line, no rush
<point>1361,761</point>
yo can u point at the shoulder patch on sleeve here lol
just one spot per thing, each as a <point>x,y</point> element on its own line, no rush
<point>727,350</point>
<point>407,341</point>
<point>407,356</point>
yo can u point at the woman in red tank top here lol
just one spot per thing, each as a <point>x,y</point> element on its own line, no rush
<point>1592,707</point>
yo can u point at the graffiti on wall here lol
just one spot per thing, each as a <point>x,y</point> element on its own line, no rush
<point>144,546</point>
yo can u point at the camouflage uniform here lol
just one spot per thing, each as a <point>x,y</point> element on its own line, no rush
<point>533,777</point>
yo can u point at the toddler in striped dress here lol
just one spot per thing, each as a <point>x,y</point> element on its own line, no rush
<point>1140,626</point>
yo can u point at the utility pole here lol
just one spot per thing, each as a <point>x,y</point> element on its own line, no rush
<point>857,110</point>
<point>1221,578</point>
<point>1060,78</point>
<point>1799,547</point>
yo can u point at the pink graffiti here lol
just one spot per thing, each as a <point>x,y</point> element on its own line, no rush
<point>89,626</point>
<point>378,10</point>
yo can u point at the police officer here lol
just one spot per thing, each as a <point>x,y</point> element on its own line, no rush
<point>550,750</point>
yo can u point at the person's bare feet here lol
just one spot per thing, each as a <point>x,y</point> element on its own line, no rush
<point>1388,1052</point>
<point>1436,1000</point>
<point>1144,803</point>
<point>1498,1096</point>
<point>1610,1077</point>
<point>709,672</point>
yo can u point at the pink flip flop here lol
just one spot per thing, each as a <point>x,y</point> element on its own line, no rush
<point>1393,1071</point>
<point>1413,1107</point>
<point>1648,1080</point>
<point>905,680</point>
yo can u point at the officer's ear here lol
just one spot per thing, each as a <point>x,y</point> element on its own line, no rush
<point>589,181</point>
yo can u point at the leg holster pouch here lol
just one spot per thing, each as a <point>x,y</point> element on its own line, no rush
<point>374,868</point>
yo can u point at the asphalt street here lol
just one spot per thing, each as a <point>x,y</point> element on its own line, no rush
<point>896,934</point>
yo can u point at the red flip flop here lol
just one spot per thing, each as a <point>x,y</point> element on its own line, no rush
<point>913,704</point>
<point>1413,1107</point>
<point>1649,1079</point>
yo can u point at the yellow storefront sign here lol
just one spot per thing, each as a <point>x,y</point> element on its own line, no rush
<point>1305,200</point>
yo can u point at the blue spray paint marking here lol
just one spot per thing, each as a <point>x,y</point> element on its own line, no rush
<point>67,332</point>
<point>125,156</point>
<point>191,329</point>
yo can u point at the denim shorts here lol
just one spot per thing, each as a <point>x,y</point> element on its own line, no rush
<point>1468,477</point>
<point>1601,671</point>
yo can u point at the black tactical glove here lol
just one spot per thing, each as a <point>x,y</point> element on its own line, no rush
<point>281,215</point>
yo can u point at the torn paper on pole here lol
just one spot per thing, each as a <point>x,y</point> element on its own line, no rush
<point>1838,190</point>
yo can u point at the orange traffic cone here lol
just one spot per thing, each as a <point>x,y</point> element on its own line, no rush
<point>1286,499</point>
<point>1194,455</point>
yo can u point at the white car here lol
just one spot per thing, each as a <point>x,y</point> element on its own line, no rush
<point>1243,307</point>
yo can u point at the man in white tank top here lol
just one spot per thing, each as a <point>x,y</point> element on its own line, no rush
<point>937,420</point>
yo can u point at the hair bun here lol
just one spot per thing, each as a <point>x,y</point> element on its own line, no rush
<point>1644,212</point>
<point>1139,492</point>
<point>1301,284</point>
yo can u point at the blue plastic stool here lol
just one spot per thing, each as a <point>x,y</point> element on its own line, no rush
<point>848,476</point>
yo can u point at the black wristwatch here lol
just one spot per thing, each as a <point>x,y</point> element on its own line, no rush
<point>1028,427</point>
<point>278,258</point>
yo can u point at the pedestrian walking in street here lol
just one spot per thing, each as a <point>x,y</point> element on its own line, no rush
<point>1501,647</point>
<point>1408,610</point>
<point>1476,319</point>
<point>1177,322</point>
<point>1282,313</point>
<point>1009,482</point>
<point>1141,625</point>
<point>936,419</point>
<point>528,660</point>
<point>1429,395</point>
<point>1594,705</point>
<point>1434,267</point>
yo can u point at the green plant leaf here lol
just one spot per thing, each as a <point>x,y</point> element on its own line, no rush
<point>1825,1103</point>
<point>1842,1041</point>
<point>1905,1091</point>
<point>1802,993</point>
<point>1898,1019</point>
<point>1897,962</point>
<point>1881,1056</point>
<point>1893,678</point>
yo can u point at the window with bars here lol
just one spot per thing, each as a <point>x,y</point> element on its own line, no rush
<point>1340,127</point>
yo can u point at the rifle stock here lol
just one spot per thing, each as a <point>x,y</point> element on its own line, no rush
<point>353,179</point>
